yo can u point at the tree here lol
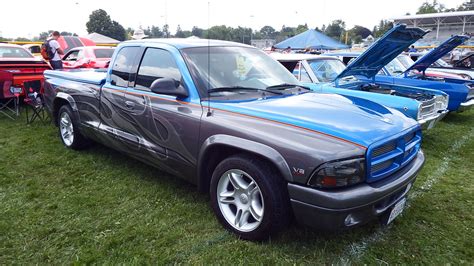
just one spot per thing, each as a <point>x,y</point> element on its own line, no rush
<point>268,32</point>
<point>100,22</point>
<point>166,31</point>
<point>336,29</point>
<point>466,6</point>
<point>428,8</point>
<point>22,39</point>
<point>360,31</point>
<point>301,28</point>
<point>384,25</point>
<point>155,32</point>
<point>179,32</point>
<point>198,32</point>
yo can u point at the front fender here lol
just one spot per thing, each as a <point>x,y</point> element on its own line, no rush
<point>68,98</point>
<point>246,146</point>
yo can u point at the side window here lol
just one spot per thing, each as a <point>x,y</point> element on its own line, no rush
<point>35,49</point>
<point>122,66</point>
<point>72,56</point>
<point>156,64</point>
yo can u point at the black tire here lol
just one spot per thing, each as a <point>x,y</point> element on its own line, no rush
<point>274,193</point>
<point>78,140</point>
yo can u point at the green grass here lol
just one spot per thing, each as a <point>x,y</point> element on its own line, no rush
<point>97,206</point>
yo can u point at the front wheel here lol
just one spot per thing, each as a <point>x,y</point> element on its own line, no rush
<point>69,129</point>
<point>249,197</point>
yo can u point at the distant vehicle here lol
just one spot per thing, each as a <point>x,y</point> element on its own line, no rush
<point>19,65</point>
<point>34,48</point>
<point>88,57</point>
<point>463,68</point>
<point>460,91</point>
<point>230,119</point>
<point>69,42</point>
<point>424,105</point>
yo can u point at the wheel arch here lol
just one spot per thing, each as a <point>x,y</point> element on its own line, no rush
<point>60,100</point>
<point>218,147</point>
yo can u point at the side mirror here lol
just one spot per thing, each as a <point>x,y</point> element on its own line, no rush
<point>169,86</point>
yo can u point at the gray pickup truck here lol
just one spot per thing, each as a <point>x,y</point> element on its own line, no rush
<point>236,123</point>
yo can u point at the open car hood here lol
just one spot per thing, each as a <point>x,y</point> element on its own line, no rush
<point>389,46</point>
<point>429,58</point>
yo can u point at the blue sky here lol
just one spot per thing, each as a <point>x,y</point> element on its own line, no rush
<point>71,15</point>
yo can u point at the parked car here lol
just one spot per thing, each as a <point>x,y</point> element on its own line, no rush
<point>88,57</point>
<point>35,49</point>
<point>463,67</point>
<point>18,65</point>
<point>226,117</point>
<point>425,106</point>
<point>460,91</point>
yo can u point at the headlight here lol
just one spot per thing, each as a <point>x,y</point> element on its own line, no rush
<point>442,102</point>
<point>339,174</point>
<point>418,116</point>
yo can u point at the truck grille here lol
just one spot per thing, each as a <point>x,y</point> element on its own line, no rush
<point>387,157</point>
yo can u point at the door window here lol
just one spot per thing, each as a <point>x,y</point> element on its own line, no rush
<point>156,64</point>
<point>122,66</point>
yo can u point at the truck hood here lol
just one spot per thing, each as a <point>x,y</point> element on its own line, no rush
<point>429,58</point>
<point>379,54</point>
<point>350,118</point>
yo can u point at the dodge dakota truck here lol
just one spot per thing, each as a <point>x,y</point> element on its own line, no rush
<point>236,123</point>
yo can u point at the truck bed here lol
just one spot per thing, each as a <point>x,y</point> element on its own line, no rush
<point>90,76</point>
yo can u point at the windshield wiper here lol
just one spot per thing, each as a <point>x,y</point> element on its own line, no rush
<point>285,86</point>
<point>240,88</point>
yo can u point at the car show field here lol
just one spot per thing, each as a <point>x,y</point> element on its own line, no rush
<point>52,198</point>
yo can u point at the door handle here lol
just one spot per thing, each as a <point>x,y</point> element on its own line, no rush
<point>129,104</point>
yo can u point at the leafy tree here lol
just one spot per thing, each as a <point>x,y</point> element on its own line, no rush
<point>179,32</point>
<point>166,31</point>
<point>360,31</point>
<point>428,8</point>
<point>22,39</point>
<point>268,32</point>
<point>2,39</point>
<point>466,6</point>
<point>301,29</point>
<point>198,32</point>
<point>100,22</point>
<point>384,26</point>
<point>336,29</point>
<point>66,33</point>
<point>155,32</point>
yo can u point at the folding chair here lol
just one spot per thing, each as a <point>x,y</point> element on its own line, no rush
<point>34,101</point>
<point>9,96</point>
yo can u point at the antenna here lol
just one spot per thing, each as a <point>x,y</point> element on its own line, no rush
<point>209,113</point>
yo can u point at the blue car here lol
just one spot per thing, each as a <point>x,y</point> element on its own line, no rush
<point>424,105</point>
<point>460,91</point>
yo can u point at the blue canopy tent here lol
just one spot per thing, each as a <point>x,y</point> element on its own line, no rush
<point>313,39</point>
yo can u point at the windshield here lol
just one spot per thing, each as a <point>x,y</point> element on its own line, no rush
<point>405,60</point>
<point>326,70</point>
<point>234,68</point>
<point>14,52</point>
<point>103,53</point>
<point>395,67</point>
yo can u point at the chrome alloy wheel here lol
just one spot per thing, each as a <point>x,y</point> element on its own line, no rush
<point>240,200</point>
<point>66,128</point>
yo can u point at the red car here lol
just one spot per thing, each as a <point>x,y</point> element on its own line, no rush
<point>88,57</point>
<point>18,65</point>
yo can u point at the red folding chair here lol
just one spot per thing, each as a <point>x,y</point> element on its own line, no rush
<point>9,96</point>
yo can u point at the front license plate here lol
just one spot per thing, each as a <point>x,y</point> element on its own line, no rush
<point>397,210</point>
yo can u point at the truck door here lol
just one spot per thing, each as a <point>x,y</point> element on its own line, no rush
<point>115,119</point>
<point>167,127</point>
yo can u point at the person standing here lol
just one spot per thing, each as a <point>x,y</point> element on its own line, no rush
<point>56,51</point>
<point>455,56</point>
<point>412,49</point>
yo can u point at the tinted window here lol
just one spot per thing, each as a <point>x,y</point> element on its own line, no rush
<point>35,49</point>
<point>14,52</point>
<point>103,53</point>
<point>156,64</point>
<point>122,66</point>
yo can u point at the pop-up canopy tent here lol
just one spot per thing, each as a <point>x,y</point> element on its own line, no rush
<point>312,39</point>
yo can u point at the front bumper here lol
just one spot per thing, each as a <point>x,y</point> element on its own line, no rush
<point>466,105</point>
<point>429,123</point>
<point>346,208</point>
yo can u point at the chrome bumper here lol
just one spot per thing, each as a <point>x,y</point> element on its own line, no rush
<point>430,122</point>
<point>466,105</point>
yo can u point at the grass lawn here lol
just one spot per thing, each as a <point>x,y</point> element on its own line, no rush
<point>97,206</point>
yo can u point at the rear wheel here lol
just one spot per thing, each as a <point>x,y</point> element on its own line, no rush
<point>69,129</point>
<point>249,197</point>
